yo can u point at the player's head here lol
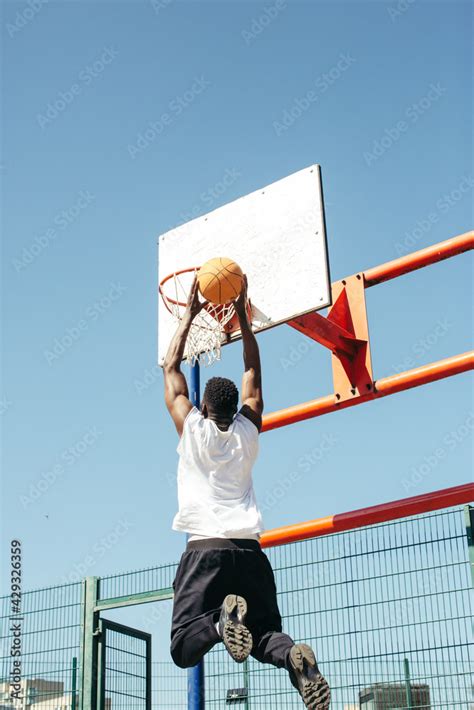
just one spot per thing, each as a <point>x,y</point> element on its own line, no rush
<point>221,398</point>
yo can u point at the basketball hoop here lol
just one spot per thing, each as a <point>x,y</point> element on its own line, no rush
<point>208,327</point>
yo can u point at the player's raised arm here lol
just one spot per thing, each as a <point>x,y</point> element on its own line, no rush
<point>252,397</point>
<point>176,387</point>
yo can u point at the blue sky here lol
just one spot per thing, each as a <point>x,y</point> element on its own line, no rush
<point>92,173</point>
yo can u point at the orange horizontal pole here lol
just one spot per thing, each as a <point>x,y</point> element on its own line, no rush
<point>394,510</point>
<point>425,373</point>
<point>418,259</point>
<point>388,385</point>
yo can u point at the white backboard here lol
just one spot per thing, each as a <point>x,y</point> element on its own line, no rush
<point>276,234</point>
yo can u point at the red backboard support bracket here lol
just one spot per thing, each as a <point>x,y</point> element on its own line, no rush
<point>345,332</point>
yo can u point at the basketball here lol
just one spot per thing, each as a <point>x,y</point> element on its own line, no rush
<point>220,280</point>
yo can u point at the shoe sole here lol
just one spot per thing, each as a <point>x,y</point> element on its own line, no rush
<point>315,692</point>
<point>236,636</point>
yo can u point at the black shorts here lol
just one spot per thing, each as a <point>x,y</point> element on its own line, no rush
<point>209,570</point>
<point>212,568</point>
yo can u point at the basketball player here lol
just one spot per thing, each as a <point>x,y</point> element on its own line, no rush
<point>224,588</point>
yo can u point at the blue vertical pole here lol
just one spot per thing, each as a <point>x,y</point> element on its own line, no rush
<point>196,699</point>
<point>195,394</point>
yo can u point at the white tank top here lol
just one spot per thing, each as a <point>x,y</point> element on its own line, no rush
<point>215,490</point>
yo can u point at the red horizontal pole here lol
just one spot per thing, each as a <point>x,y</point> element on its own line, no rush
<point>394,510</point>
<point>418,259</point>
<point>387,385</point>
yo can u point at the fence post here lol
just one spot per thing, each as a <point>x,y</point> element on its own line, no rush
<point>246,682</point>
<point>88,652</point>
<point>408,683</point>
<point>74,684</point>
<point>469,522</point>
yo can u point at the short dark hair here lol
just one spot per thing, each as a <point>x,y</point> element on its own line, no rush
<point>221,395</point>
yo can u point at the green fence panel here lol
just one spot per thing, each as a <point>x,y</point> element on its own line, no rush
<point>51,635</point>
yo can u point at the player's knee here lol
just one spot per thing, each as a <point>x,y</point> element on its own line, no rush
<point>177,656</point>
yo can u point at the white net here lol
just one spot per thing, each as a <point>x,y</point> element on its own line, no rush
<point>204,340</point>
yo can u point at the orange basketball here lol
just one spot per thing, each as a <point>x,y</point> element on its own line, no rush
<point>220,280</point>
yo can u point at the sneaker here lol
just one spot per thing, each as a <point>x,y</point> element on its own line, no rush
<point>232,630</point>
<point>306,677</point>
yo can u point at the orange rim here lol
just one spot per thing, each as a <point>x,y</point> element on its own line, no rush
<point>166,279</point>
<point>168,299</point>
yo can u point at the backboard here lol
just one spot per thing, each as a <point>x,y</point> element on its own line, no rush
<point>276,234</point>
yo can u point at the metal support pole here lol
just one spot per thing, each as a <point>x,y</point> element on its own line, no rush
<point>195,394</point>
<point>88,652</point>
<point>409,699</point>
<point>74,684</point>
<point>419,259</point>
<point>196,688</point>
<point>469,521</point>
<point>246,682</point>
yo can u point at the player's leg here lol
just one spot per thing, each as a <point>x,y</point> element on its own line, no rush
<point>199,589</point>
<point>307,678</point>
<point>254,580</point>
<point>280,650</point>
<point>271,645</point>
<point>189,644</point>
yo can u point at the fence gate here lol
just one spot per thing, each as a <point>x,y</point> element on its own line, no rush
<point>124,667</point>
